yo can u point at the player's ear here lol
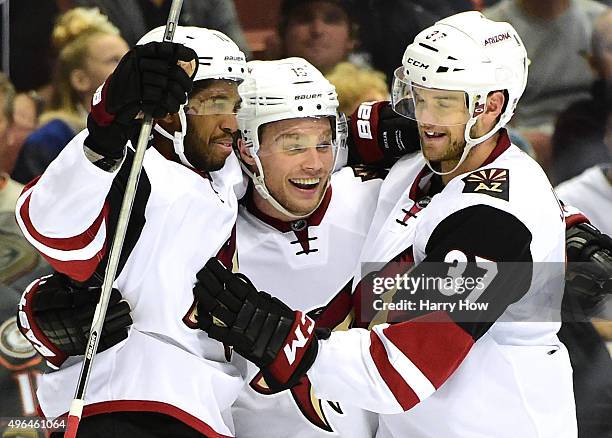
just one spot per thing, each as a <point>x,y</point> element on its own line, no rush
<point>495,103</point>
<point>245,152</point>
<point>171,123</point>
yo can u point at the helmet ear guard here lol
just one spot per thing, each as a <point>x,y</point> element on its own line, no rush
<point>470,53</point>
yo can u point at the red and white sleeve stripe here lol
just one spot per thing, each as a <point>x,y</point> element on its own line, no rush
<point>391,368</point>
<point>76,256</point>
<point>64,213</point>
<point>415,358</point>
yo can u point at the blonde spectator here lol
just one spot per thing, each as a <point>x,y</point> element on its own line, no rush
<point>89,48</point>
<point>356,85</point>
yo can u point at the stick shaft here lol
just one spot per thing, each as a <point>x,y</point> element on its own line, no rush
<point>76,407</point>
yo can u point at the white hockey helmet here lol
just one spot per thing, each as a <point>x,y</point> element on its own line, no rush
<point>290,88</point>
<point>465,52</point>
<point>218,58</point>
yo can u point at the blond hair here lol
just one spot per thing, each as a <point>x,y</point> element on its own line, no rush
<point>71,36</point>
<point>352,83</point>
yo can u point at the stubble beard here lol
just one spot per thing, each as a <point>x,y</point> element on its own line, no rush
<point>201,154</point>
<point>451,154</point>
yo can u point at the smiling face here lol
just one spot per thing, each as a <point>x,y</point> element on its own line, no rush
<point>211,120</point>
<point>441,116</point>
<point>297,158</point>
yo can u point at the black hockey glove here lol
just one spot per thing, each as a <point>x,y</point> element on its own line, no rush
<point>588,277</point>
<point>55,315</point>
<point>147,79</point>
<point>378,134</point>
<point>280,341</point>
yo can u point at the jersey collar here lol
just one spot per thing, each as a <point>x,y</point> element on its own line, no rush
<point>503,143</point>
<point>284,227</point>
<point>426,179</point>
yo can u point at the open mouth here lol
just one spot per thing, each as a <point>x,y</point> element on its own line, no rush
<point>305,183</point>
<point>225,144</point>
<point>433,134</point>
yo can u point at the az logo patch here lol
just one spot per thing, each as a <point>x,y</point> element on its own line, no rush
<point>492,182</point>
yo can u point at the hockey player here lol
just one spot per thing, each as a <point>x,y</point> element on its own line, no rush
<point>302,222</point>
<point>302,230</point>
<point>497,372</point>
<point>206,153</point>
<point>251,413</point>
<point>140,387</point>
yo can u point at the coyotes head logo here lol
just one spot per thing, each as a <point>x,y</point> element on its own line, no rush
<point>304,398</point>
<point>337,315</point>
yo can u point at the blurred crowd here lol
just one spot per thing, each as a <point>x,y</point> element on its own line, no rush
<point>54,60</point>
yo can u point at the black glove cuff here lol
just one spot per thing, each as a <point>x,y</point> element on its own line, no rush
<point>108,141</point>
<point>300,371</point>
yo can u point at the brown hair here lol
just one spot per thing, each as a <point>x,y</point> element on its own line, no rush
<point>288,6</point>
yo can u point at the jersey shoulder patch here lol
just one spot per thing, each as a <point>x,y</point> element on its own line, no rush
<point>494,182</point>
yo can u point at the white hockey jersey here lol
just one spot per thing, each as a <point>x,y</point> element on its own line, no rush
<point>178,222</point>
<point>309,265</point>
<point>591,193</point>
<point>500,372</point>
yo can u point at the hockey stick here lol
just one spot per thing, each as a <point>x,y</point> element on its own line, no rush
<point>76,407</point>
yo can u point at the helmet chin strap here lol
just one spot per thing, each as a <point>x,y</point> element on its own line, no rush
<point>177,138</point>
<point>469,144</point>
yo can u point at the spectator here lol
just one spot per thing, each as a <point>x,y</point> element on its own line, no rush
<point>134,18</point>
<point>557,35</point>
<point>578,140</point>
<point>321,31</point>
<point>89,49</point>
<point>9,189</point>
<point>20,264</point>
<point>355,85</point>
<point>382,28</point>
<point>27,108</point>
<point>387,27</point>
